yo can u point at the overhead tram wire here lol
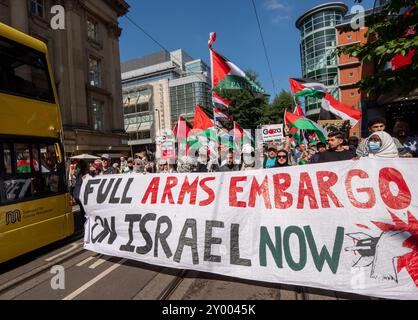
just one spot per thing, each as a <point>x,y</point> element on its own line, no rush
<point>264,46</point>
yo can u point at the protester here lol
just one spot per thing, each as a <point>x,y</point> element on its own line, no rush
<point>407,145</point>
<point>106,163</point>
<point>381,145</point>
<point>98,168</point>
<point>247,158</point>
<point>271,160</point>
<point>336,150</point>
<point>186,164</point>
<point>353,143</point>
<point>81,176</point>
<point>304,158</point>
<point>282,158</point>
<point>312,148</point>
<point>72,178</point>
<point>129,166</point>
<point>229,165</point>
<point>202,160</point>
<point>374,125</point>
<point>123,164</point>
<point>322,147</point>
<point>299,150</point>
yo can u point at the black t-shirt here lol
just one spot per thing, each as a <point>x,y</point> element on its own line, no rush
<point>331,156</point>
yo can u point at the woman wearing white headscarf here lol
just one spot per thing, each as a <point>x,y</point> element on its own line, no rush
<point>381,145</point>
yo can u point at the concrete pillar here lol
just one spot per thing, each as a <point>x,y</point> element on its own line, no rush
<point>19,15</point>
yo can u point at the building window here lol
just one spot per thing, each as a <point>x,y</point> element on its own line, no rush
<point>351,74</point>
<point>92,29</point>
<point>95,72</point>
<point>349,37</point>
<point>98,115</point>
<point>353,94</point>
<point>37,7</point>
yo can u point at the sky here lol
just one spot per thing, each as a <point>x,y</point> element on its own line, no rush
<point>186,24</point>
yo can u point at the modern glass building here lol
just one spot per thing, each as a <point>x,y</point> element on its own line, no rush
<point>157,89</point>
<point>318,48</point>
<point>186,93</point>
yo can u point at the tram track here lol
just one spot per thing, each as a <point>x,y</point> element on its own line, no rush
<point>172,286</point>
<point>32,274</point>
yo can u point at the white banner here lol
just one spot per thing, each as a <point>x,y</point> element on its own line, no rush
<point>351,226</point>
<point>273,133</point>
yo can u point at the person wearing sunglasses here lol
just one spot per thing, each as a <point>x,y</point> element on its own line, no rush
<point>282,158</point>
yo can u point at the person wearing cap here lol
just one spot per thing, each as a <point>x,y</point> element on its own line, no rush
<point>106,163</point>
<point>271,160</point>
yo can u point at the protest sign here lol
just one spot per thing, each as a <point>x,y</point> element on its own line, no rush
<point>273,133</point>
<point>348,227</point>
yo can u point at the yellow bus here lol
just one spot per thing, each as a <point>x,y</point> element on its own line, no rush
<point>34,202</point>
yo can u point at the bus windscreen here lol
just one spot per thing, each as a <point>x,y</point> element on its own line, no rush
<point>24,72</point>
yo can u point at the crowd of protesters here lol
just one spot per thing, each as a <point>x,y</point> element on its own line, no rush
<point>379,144</point>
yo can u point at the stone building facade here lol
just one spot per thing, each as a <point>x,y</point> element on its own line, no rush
<point>86,64</point>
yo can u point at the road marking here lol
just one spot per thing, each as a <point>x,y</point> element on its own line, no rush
<point>98,263</point>
<point>85,261</point>
<point>73,247</point>
<point>94,280</point>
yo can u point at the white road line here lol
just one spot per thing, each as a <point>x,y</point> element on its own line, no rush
<point>73,247</point>
<point>94,280</point>
<point>85,261</point>
<point>98,263</point>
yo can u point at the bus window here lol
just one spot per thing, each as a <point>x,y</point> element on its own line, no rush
<point>7,155</point>
<point>49,166</point>
<point>24,72</point>
<point>22,156</point>
<point>35,155</point>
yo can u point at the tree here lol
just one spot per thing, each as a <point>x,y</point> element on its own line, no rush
<point>246,109</point>
<point>390,32</point>
<point>275,111</point>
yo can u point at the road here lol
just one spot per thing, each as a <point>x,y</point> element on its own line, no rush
<point>88,275</point>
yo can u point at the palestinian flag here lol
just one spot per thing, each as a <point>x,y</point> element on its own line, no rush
<point>304,88</point>
<point>203,129</point>
<point>303,123</point>
<point>240,133</point>
<point>226,75</point>
<point>202,120</point>
<point>219,102</point>
<point>220,115</point>
<point>298,111</point>
<point>181,132</point>
<point>341,110</point>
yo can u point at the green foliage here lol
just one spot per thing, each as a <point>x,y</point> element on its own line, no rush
<point>275,111</point>
<point>251,111</point>
<point>245,109</point>
<point>386,34</point>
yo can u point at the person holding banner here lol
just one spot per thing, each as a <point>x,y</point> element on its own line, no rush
<point>336,151</point>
